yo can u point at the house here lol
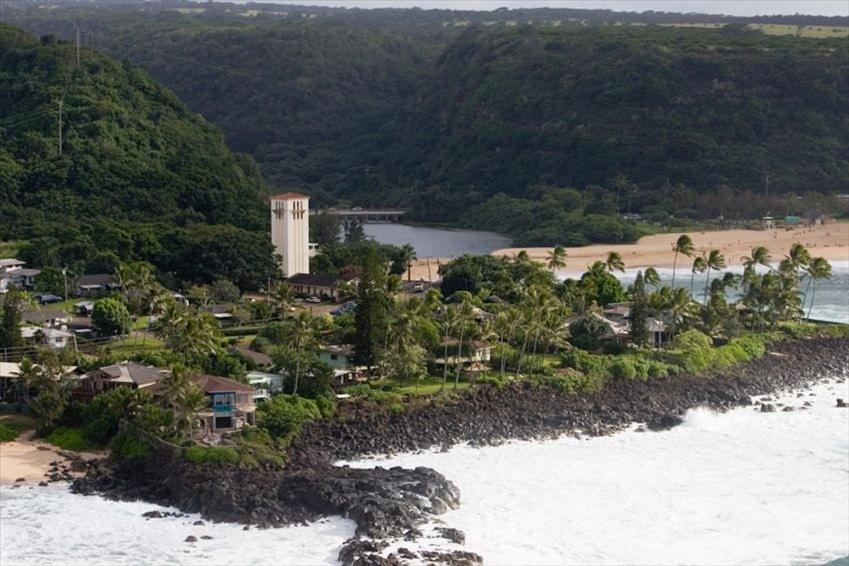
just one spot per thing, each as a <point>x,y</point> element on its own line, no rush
<point>323,286</point>
<point>56,338</point>
<point>13,274</point>
<point>94,284</point>
<point>231,404</point>
<point>341,359</point>
<point>473,357</point>
<point>223,313</point>
<point>46,317</point>
<point>123,374</point>
<point>265,384</point>
<point>10,387</point>
<point>258,359</point>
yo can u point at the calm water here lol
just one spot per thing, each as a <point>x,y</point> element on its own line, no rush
<point>437,242</point>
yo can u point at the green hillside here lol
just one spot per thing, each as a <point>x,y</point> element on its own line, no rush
<point>518,107</point>
<point>138,174</point>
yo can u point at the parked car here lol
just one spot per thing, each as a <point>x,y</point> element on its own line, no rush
<point>312,300</point>
<point>47,299</point>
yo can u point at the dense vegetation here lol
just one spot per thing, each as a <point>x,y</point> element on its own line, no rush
<point>137,175</point>
<point>395,106</point>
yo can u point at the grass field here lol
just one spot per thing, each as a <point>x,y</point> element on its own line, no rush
<point>819,32</point>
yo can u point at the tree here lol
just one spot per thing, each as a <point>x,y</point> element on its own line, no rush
<point>10,324</point>
<point>639,312</point>
<point>51,280</point>
<point>354,233</point>
<point>557,258</point>
<point>684,246</point>
<point>325,228</point>
<point>283,299</point>
<point>614,262</point>
<point>48,378</point>
<point>699,266</point>
<point>191,334</point>
<point>190,400</point>
<point>371,316</point>
<point>110,317</point>
<point>652,277</point>
<point>301,330</point>
<point>600,286</point>
<point>714,261</point>
<point>818,269</point>
<point>465,322</point>
<point>405,258</point>
<point>224,291</point>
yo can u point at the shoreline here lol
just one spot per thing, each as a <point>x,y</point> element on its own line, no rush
<point>388,504</point>
<point>830,241</point>
<point>32,460</point>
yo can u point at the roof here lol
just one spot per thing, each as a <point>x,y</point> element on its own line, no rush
<point>258,358</point>
<point>131,372</point>
<point>344,349</point>
<point>289,196</point>
<point>27,272</point>
<point>10,262</point>
<point>95,279</point>
<point>312,280</point>
<point>217,384</point>
<point>476,344</point>
<point>44,316</point>
<point>220,308</point>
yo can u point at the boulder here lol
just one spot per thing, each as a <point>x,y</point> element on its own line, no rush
<point>152,514</point>
<point>767,408</point>
<point>191,538</point>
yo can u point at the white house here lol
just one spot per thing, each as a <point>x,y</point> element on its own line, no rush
<point>56,338</point>
<point>13,274</point>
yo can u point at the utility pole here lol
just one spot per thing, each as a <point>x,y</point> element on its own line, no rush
<point>78,44</point>
<point>61,102</point>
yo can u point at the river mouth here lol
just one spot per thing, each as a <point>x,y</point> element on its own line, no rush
<point>437,242</point>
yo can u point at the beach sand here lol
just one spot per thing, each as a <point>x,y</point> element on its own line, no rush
<point>30,459</point>
<point>830,241</point>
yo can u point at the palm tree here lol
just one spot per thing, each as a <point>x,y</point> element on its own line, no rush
<point>699,266</point>
<point>557,258</point>
<point>173,386</point>
<point>714,261</point>
<point>402,338</point>
<point>406,257</point>
<point>283,298</point>
<point>681,308</point>
<point>191,401</point>
<point>614,262</point>
<point>818,269</point>
<point>449,322</point>
<point>652,277</point>
<point>799,256</point>
<point>302,334</point>
<point>684,246</point>
<point>465,322</point>
<point>504,325</point>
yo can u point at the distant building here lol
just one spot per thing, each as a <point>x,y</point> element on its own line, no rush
<point>231,404</point>
<point>341,359</point>
<point>14,274</point>
<point>322,286</point>
<point>123,374</point>
<point>290,232</point>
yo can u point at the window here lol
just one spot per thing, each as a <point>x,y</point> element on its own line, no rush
<point>223,422</point>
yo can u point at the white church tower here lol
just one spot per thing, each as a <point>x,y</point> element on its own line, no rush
<point>290,232</point>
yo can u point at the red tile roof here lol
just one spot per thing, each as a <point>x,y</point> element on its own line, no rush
<point>289,196</point>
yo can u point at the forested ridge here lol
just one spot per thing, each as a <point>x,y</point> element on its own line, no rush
<point>555,119</point>
<point>136,175</point>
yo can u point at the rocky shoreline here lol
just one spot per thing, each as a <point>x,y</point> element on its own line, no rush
<point>391,503</point>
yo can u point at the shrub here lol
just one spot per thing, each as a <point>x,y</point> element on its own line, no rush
<point>130,446</point>
<point>491,381</point>
<point>212,455</point>
<point>255,446</point>
<point>585,362</point>
<point>67,438</point>
<point>110,317</point>
<point>326,405</point>
<point>10,431</point>
<point>284,415</point>
<point>623,368</point>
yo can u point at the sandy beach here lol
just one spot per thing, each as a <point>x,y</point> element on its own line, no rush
<point>30,459</point>
<point>830,241</point>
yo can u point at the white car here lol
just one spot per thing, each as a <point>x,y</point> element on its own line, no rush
<point>312,300</point>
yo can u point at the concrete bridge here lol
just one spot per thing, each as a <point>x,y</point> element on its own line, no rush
<point>365,214</point>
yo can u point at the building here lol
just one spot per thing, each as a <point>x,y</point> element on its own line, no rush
<point>341,359</point>
<point>94,284</point>
<point>231,404</point>
<point>321,286</point>
<point>123,374</point>
<point>13,274</point>
<point>473,357</point>
<point>290,232</point>
<point>265,384</point>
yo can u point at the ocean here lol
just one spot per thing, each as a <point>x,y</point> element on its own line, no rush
<point>743,487</point>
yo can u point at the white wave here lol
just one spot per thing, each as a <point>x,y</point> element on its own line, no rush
<point>743,487</point>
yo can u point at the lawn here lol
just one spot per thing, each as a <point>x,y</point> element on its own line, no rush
<point>11,426</point>
<point>136,342</point>
<point>428,386</point>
